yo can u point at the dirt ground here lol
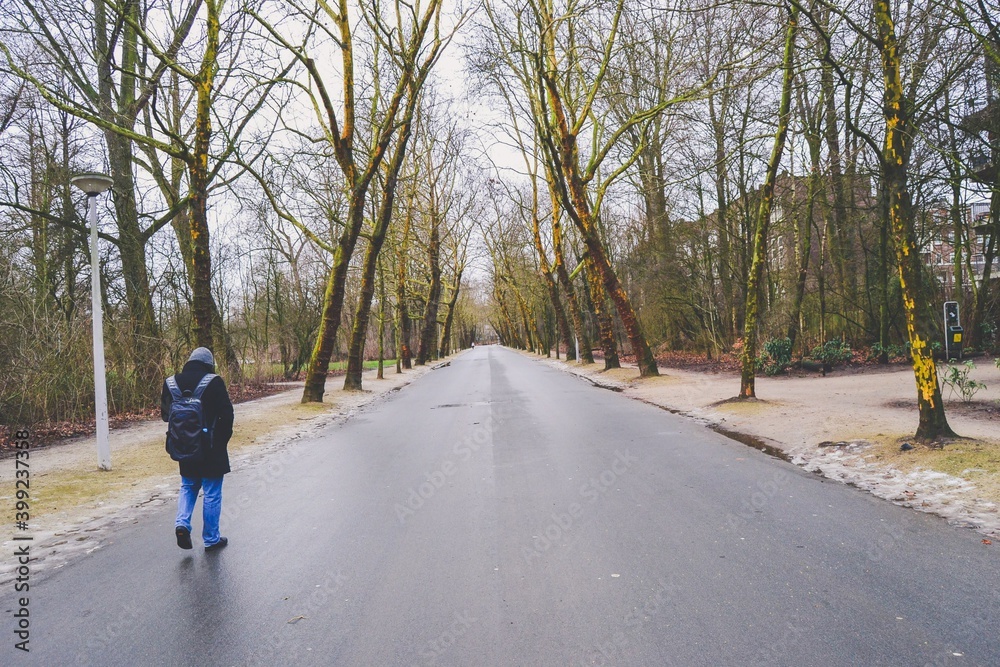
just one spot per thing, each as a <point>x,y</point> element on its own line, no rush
<point>74,506</point>
<point>850,426</point>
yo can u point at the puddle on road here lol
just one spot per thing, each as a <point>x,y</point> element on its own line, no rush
<point>751,441</point>
<point>744,438</point>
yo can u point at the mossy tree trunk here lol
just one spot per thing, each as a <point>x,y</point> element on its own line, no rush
<point>359,333</point>
<point>933,424</point>
<point>748,374</point>
<point>547,271</point>
<point>449,320</point>
<point>428,333</point>
<point>198,179</point>
<point>605,324</point>
<point>381,323</point>
<point>402,311</point>
<point>572,299</point>
<point>340,132</point>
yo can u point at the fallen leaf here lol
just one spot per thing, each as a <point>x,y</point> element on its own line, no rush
<point>296,619</point>
<point>986,542</point>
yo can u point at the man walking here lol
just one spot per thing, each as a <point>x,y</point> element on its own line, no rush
<point>203,472</point>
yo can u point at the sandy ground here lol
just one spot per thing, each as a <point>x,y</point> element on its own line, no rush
<point>848,427</point>
<point>74,507</point>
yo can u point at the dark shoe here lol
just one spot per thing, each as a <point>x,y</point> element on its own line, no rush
<point>183,537</point>
<point>223,541</point>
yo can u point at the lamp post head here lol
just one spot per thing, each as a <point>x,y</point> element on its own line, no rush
<point>92,183</point>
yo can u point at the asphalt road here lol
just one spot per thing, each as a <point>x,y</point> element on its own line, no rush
<point>500,512</point>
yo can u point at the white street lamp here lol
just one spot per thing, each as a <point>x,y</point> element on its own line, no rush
<point>93,185</point>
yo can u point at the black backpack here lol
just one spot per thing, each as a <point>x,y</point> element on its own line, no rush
<point>188,436</point>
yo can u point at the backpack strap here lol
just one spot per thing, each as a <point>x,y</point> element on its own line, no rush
<point>175,391</point>
<point>198,391</point>
<point>202,385</point>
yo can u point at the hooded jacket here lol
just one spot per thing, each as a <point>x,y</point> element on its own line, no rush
<point>218,411</point>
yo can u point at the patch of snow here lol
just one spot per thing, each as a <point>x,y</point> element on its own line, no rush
<point>926,490</point>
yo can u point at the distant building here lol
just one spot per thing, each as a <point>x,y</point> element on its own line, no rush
<point>938,253</point>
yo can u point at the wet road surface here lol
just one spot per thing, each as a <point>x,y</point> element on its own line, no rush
<point>500,512</point>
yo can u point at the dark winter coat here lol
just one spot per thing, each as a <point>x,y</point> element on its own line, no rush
<point>218,411</point>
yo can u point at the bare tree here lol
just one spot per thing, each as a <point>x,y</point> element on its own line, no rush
<point>411,37</point>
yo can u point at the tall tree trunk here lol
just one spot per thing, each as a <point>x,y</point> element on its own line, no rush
<point>804,240</point>
<point>722,215</point>
<point>182,231</point>
<point>955,178</point>
<point>403,313</point>
<point>416,59</point>
<point>445,348</point>
<point>572,302</point>
<point>883,274</point>
<point>428,334</point>
<point>749,358</point>
<point>565,153</point>
<point>605,323</point>
<point>546,271</point>
<point>839,246</point>
<point>359,333</point>
<point>896,155</point>
<point>116,106</point>
<point>333,305</point>
<point>511,338</point>
<point>527,317</point>
<point>612,285</point>
<point>381,323</point>
<point>576,314</point>
<point>198,179</point>
<point>803,243</point>
<point>132,249</point>
<point>562,323</point>
<point>958,242</point>
<point>355,355</point>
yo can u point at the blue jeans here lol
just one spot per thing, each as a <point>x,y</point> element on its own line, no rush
<point>211,505</point>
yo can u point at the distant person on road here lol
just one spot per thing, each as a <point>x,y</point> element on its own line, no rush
<point>204,472</point>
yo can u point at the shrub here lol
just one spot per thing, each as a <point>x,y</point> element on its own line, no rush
<point>957,379</point>
<point>777,356</point>
<point>832,352</point>
<point>891,351</point>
